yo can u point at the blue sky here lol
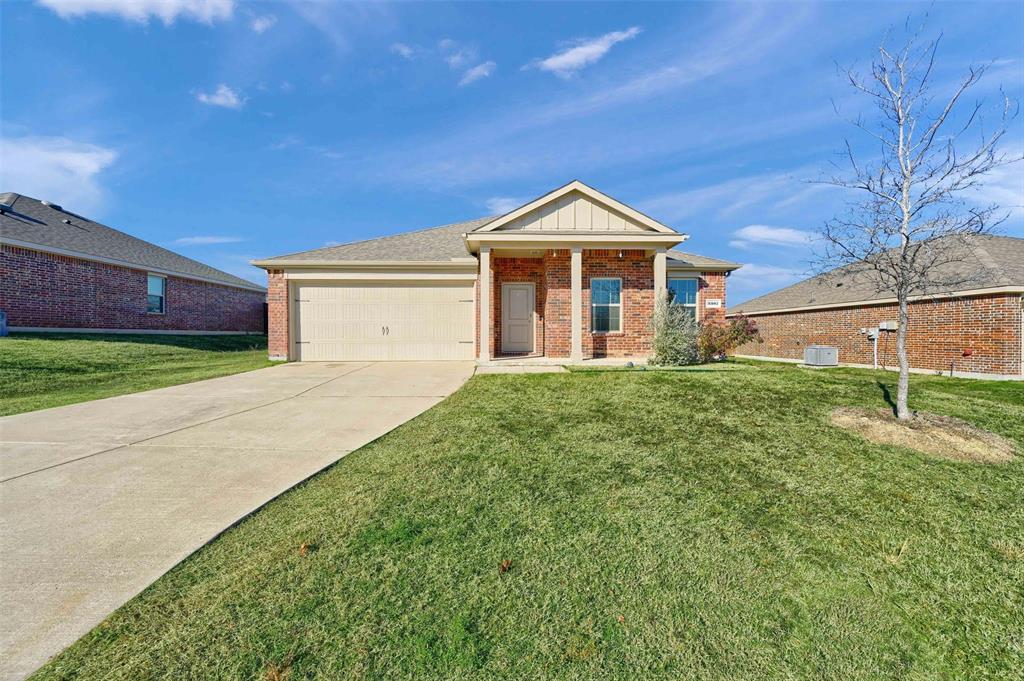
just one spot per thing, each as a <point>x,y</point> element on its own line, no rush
<point>229,131</point>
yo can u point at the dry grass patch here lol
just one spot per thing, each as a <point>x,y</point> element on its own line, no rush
<point>942,436</point>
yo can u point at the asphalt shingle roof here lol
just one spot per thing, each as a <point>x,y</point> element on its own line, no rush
<point>681,259</point>
<point>425,245</point>
<point>984,261</point>
<point>33,222</point>
<point>441,244</point>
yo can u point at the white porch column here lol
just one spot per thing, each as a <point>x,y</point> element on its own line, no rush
<point>660,274</point>
<point>576,301</point>
<point>485,303</point>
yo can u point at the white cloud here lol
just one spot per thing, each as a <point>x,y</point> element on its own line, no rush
<point>477,72</point>
<point>223,96</point>
<point>457,56</point>
<point>499,205</point>
<point>765,235</point>
<point>585,52</point>
<point>206,240</point>
<point>403,50</point>
<point>757,276</point>
<point>55,169</point>
<point>770,190</point>
<point>141,11</point>
<point>1003,187</point>
<point>262,23</point>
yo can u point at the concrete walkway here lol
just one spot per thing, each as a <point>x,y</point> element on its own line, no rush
<point>99,499</point>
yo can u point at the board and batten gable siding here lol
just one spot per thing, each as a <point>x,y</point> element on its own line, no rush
<point>574,212</point>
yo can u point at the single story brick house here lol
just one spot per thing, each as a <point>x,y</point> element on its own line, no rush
<point>571,275</point>
<point>62,272</point>
<point>973,329</point>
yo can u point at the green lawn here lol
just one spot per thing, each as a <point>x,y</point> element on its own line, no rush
<point>47,370</point>
<point>705,524</point>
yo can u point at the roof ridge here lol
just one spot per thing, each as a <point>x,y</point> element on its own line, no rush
<point>379,238</point>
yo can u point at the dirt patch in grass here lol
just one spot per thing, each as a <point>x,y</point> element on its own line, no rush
<point>941,436</point>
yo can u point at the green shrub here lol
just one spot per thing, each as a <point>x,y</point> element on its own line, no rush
<point>716,339</point>
<point>675,335</point>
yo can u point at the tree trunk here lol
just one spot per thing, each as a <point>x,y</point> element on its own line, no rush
<point>902,410</point>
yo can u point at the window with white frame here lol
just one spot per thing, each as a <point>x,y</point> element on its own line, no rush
<point>605,305</point>
<point>156,290</point>
<point>683,292</point>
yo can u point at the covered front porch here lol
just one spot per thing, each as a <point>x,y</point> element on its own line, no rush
<point>568,304</point>
<point>570,276</point>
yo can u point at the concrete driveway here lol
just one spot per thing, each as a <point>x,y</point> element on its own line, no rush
<point>99,499</point>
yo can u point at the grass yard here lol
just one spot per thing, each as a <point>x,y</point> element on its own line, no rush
<point>48,370</point>
<point>706,525</point>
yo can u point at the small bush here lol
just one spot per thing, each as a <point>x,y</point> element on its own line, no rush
<point>675,335</point>
<point>716,339</point>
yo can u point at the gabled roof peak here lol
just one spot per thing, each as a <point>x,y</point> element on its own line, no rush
<point>630,214</point>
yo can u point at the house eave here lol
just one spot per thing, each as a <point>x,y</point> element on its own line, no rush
<point>552,239</point>
<point>468,263</point>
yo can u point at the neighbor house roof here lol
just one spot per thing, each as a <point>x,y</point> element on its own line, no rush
<point>982,262</point>
<point>435,244</point>
<point>31,223</point>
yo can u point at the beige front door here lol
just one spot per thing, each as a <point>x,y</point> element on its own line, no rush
<point>517,317</point>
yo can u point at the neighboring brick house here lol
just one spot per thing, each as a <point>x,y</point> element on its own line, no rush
<point>572,275</point>
<point>62,272</point>
<point>972,328</point>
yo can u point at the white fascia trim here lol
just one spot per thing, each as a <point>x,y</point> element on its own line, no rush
<point>590,192</point>
<point>971,293</point>
<point>123,263</point>
<point>541,240</point>
<point>698,268</point>
<point>380,276</point>
<point>158,332</point>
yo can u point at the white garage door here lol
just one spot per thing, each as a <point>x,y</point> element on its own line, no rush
<point>402,321</point>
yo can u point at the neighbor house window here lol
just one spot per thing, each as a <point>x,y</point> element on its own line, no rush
<point>684,292</point>
<point>156,289</point>
<point>606,305</point>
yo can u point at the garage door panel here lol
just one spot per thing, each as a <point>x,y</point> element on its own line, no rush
<point>353,321</point>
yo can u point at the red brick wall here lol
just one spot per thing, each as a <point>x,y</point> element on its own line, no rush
<point>557,303</point>
<point>938,333</point>
<point>277,314</point>
<point>516,270</point>
<point>551,276</point>
<point>711,285</point>
<point>636,270</point>
<point>55,291</point>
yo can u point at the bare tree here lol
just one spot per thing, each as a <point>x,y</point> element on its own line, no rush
<point>911,210</point>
